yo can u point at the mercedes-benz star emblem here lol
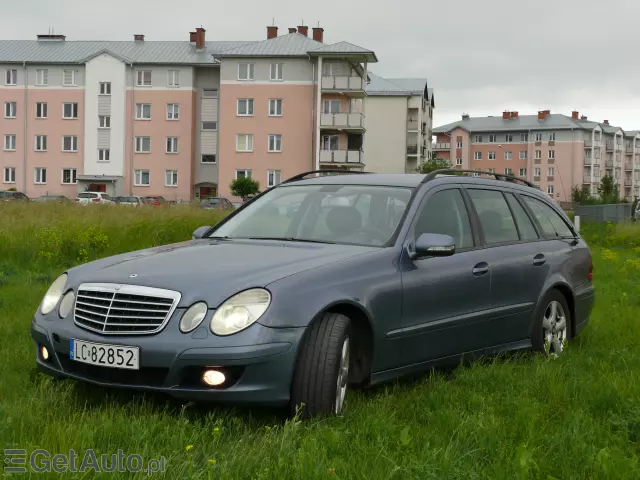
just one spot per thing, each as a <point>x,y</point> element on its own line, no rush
<point>133,275</point>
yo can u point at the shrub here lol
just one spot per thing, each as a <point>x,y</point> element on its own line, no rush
<point>244,187</point>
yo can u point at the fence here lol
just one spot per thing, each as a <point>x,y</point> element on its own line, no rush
<point>614,213</point>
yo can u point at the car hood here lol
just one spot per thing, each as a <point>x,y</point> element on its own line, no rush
<point>212,270</point>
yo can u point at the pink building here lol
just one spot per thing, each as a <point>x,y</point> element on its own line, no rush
<point>178,119</point>
<point>554,151</point>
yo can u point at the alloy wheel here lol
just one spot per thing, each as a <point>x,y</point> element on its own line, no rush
<point>343,376</point>
<point>554,329</point>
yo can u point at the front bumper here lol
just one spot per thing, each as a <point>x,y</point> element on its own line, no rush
<point>258,361</point>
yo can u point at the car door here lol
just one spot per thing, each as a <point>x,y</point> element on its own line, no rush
<point>444,299</point>
<point>512,245</point>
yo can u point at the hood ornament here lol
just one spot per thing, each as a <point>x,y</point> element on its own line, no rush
<point>133,275</point>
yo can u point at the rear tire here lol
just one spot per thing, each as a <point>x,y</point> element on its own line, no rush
<point>552,324</point>
<point>321,374</point>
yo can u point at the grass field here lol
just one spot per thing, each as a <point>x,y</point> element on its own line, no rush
<point>515,417</point>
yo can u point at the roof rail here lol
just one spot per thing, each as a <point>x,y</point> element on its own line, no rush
<point>498,176</point>
<point>300,176</point>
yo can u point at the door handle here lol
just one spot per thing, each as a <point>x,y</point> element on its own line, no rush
<point>480,269</point>
<point>539,260</point>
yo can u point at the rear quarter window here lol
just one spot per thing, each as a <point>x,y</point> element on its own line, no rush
<point>553,225</point>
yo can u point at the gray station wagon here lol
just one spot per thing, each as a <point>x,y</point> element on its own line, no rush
<point>324,283</point>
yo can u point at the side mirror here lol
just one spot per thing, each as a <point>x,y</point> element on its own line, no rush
<point>434,245</point>
<point>199,232</point>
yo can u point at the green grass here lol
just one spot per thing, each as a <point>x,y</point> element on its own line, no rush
<point>514,417</point>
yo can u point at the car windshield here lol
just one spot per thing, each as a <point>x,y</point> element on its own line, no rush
<point>344,214</point>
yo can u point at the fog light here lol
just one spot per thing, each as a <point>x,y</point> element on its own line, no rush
<point>44,353</point>
<point>213,378</point>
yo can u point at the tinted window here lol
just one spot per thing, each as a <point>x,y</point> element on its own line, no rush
<point>87,195</point>
<point>494,215</point>
<point>552,224</point>
<point>445,214</point>
<point>527,230</point>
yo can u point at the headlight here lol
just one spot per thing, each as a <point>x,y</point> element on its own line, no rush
<point>193,317</point>
<point>240,311</point>
<point>66,304</point>
<point>53,295</point>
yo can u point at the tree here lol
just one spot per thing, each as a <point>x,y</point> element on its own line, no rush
<point>608,191</point>
<point>580,194</point>
<point>244,187</point>
<point>432,164</point>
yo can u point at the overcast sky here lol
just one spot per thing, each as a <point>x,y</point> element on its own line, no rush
<point>481,57</point>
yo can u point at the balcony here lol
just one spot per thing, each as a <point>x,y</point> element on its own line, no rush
<point>342,156</point>
<point>588,161</point>
<point>628,166</point>
<point>586,179</point>
<point>352,86</point>
<point>441,146</point>
<point>414,150</point>
<point>588,143</point>
<point>628,149</point>
<point>609,147</point>
<point>342,121</point>
<point>609,163</point>
<point>414,126</point>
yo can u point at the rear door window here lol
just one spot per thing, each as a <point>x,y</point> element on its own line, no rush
<point>525,226</point>
<point>553,225</point>
<point>495,217</point>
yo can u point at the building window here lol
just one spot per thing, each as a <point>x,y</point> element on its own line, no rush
<point>538,154</point>
<point>246,71</point>
<point>69,144</point>
<point>523,172</point>
<point>104,155</point>
<point>523,154</point>
<point>9,175</point>
<point>209,93</point>
<point>208,158</point>
<point>276,71</point>
<point>211,126</point>
<point>105,88</point>
<point>508,138</point>
<point>478,139</point>
<point>552,154</point>
<point>491,170</point>
<point>69,176</point>
<point>70,110</point>
<point>330,142</point>
<point>508,155</point>
<point>142,178</point>
<point>42,76</point>
<point>11,77</point>
<point>273,178</point>
<point>524,137</point>
<point>39,176</point>
<point>41,143</point>
<point>331,106</point>
<point>508,171</point>
<point>173,79</point>
<point>275,107</point>
<point>538,137</point>
<point>552,137</point>
<point>243,174</point>
<point>477,155</point>
<point>550,189</point>
<point>171,178</point>
<point>551,171</point>
<point>275,143</point>
<point>143,144</point>
<point>172,144</point>
<point>458,144</point>
<point>458,161</point>
<point>492,138</point>
<point>173,111</point>
<point>10,109</point>
<point>536,172</point>
<point>245,107</point>
<point>244,142</point>
<point>144,78</point>
<point>9,142</point>
<point>69,78</point>
<point>41,110</point>
<point>492,155</point>
<point>104,121</point>
<point>143,111</point>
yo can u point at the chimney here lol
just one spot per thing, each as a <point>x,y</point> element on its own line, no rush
<point>200,38</point>
<point>272,32</point>
<point>192,37</point>
<point>543,114</point>
<point>514,114</point>
<point>318,34</point>
<point>606,122</point>
<point>506,115</point>
<point>303,29</point>
<point>465,116</point>
<point>575,115</point>
<point>292,30</point>
<point>583,117</point>
<point>138,37</point>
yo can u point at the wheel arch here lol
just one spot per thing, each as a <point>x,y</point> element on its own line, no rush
<point>567,293</point>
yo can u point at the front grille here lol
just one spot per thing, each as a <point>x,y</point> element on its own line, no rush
<point>114,309</point>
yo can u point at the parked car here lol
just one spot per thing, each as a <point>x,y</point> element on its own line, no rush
<point>52,198</point>
<point>156,200</point>
<point>12,196</point>
<point>396,274</point>
<point>85,198</point>
<point>216,203</point>
<point>133,201</point>
<point>636,213</point>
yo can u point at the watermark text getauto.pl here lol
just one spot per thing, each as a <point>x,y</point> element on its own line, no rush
<point>41,461</point>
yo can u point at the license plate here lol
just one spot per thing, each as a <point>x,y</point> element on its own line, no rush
<point>115,356</point>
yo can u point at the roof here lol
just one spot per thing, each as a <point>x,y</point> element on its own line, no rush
<point>378,179</point>
<point>39,51</point>
<point>397,86</point>
<point>521,123</point>
<point>345,48</point>
<point>290,45</point>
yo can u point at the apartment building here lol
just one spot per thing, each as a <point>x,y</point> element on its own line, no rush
<point>399,123</point>
<point>179,119</point>
<point>554,151</point>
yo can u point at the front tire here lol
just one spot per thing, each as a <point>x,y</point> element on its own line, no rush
<point>321,375</point>
<point>552,325</point>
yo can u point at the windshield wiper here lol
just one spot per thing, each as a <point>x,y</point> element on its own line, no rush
<point>292,239</point>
